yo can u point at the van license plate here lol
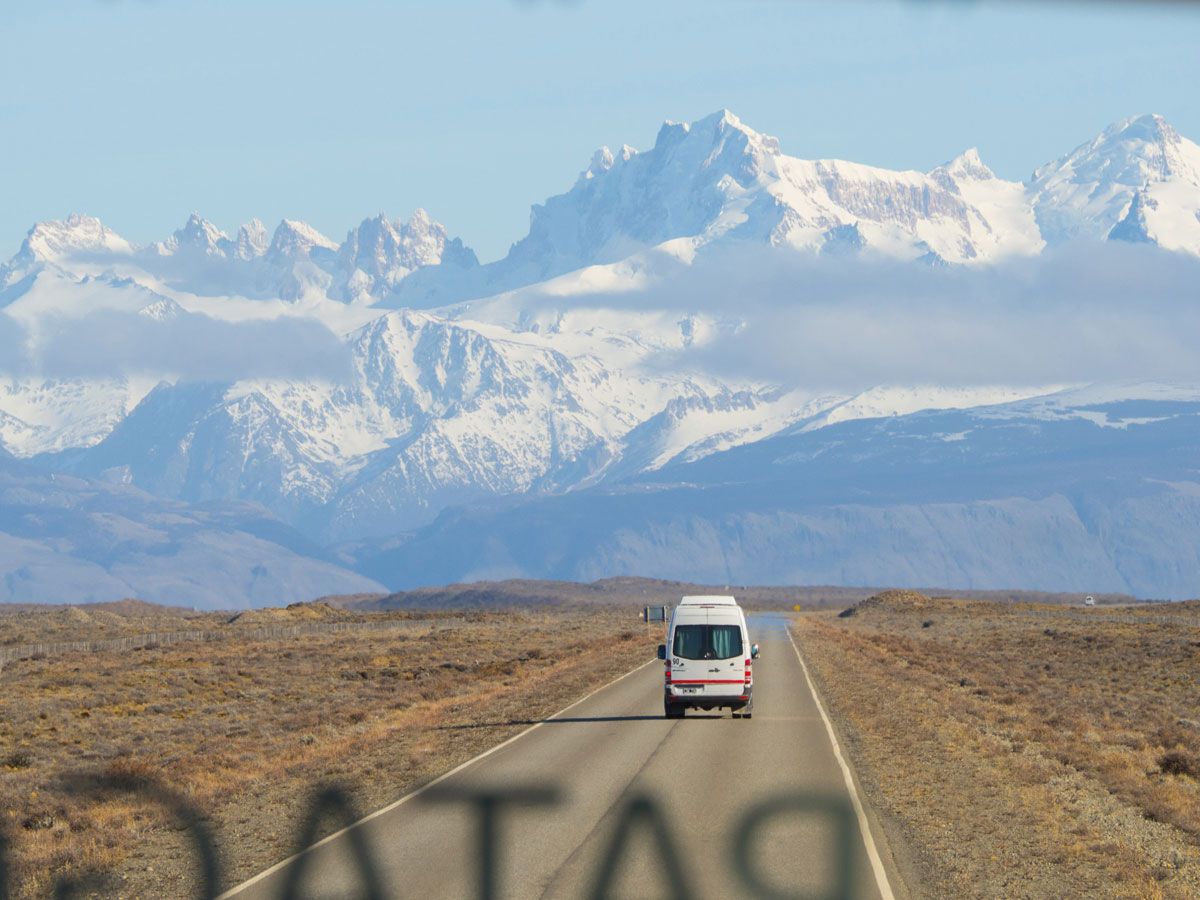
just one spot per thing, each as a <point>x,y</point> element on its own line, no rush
<point>688,690</point>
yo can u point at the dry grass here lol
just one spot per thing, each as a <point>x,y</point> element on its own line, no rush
<point>1023,751</point>
<point>241,730</point>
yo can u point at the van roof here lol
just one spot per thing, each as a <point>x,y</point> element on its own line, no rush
<point>707,600</point>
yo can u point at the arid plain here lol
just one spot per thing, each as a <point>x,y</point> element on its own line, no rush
<point>244,728</point>
<point>1020,749</point>
<point>1009,747</point>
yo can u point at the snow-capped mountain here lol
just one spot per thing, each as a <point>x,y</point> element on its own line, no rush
<point>78,236</point>
<point>701,186</point>
<point>197,236</point>
<point>1138,180</point>
<point>44,415</point>
<point>717,181</point>
<point>293,263</point>
<point>378,254</point>
<point>717,178</point>
<point>1077,491</point>
<point>437,413</point>
<point>550,371</point>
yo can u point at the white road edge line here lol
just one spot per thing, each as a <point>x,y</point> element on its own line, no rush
<point>423,788</point>
<point>881,879</point>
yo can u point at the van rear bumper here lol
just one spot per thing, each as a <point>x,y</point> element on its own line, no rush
<point>712,701</point>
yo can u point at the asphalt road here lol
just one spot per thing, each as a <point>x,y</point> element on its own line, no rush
<point>610,799</point>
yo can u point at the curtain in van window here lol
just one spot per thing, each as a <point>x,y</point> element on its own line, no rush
<point>726,641</point>
<point>690,641</point>
<point>707,641</point>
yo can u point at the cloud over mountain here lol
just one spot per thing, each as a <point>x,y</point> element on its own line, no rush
<point>1080,312</point>
<point>167,341</point>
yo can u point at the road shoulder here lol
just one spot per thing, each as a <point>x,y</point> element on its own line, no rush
<point>890,859</point>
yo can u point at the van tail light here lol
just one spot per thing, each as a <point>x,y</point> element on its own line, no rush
<point>667,672</point>
<point>748,676</point>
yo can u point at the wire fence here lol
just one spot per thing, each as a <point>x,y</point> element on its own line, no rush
<point>151,639</point>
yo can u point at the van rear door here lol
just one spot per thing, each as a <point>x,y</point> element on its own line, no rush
<point>710,656</point>
<point>686,651</point>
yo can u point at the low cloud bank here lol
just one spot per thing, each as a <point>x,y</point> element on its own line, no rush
<point>182,345</point>
<point>1088,312</point>
<point>1080,313</point>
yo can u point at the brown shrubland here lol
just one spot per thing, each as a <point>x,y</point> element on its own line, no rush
<point>1024,751</point>
<point>242,729</point>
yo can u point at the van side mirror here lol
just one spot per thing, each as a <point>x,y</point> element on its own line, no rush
<point>754,651</point>
<point>662,651</point>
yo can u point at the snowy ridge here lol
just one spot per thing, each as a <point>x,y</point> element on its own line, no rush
<point>703,184</point>
<point>42,416</point>
<point>291,264</point>
<point>718,178</point>
<point>1088,191</point>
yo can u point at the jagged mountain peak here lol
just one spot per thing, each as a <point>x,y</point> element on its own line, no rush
<point>967,164</point>
<point>1148,127</point>
<point>252,241</point>
<point>295,229</point>
<point>370,255</point>
<point>379,253</point>
<point>1085,193</point>
<point>626,202</point>
<point>422,240</point>
<point>294,240</point>
<point>717,179</point>
<point>716,133</point>
<point>1131,152</point>
<point>604,159</point>
<point>713,127</point>
<point>198,235</point>
<point>420,220</point>
<point>372,225</point>
<point>54,238</point>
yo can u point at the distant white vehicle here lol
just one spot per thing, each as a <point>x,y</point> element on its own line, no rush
<point>708,665</point>
<point>1089,600</point>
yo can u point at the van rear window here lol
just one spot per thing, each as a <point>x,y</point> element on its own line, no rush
<point>707,641</point>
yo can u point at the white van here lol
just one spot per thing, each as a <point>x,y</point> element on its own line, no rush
<point>707,655</point>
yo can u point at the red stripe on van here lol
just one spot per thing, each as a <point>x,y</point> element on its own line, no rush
<point>710,681</point>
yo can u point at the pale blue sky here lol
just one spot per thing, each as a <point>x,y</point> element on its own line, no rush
<point>139,112</point>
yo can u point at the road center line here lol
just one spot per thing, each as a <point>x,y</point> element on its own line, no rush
<point>881,879</point>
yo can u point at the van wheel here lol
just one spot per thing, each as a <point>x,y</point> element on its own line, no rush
<point>673,710</point>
